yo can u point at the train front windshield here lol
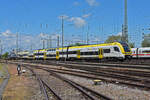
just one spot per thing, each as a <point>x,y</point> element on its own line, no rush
<point>126,47</point>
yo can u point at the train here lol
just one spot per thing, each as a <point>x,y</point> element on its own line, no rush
<point>141,53</point>
<point>109,51</point>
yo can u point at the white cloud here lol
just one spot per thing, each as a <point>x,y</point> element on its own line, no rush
<point>7,33</point>
<point>78,21</point>
<point>86,15</point>
<point>43,35</point>
<point>92,2</point>
<point>119,34</point>
<point>63,16</point>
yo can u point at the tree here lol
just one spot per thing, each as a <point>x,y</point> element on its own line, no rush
<point>76,44</point>
<point>132,45</point>
<point>113,38</point>
<point>5,55</point>
<point>146,41</point>
<point>116,38</point>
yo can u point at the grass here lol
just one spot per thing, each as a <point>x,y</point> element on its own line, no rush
<point>1,80</point>
<point>3,70</point>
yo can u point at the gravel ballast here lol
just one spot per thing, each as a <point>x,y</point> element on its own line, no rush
<point>117,92</point>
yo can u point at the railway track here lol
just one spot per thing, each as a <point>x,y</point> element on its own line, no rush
<point>130,77</point>
<point>95,75</point>
<point>94,64</point>
<point>128,62</point>
<point>90,94</point>
<point>111,68</point>
<point>44,85</point>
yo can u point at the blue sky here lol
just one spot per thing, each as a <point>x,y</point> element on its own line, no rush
<point>104,17</point>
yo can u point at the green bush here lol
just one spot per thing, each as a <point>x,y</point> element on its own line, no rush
<point>5,55</point>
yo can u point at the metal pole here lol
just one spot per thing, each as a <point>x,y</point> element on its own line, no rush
<point>125,23</point>
<point>43,44</point>
<point>47,40</point>
<point>57,41</point>
<point>50,40</point>
<point>88,35</point>
<point>31,46</point>
<point>122,37</point>
<point>62,35</point>
<point>17,43</point>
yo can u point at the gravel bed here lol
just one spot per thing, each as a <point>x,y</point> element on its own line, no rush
<point>61,88</point>
<point>34,87</point>
<point>117,92</point>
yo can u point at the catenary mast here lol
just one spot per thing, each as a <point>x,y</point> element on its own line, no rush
<point>125,26</point>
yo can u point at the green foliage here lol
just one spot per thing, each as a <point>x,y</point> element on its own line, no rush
<point>76,44</point>
<point>5,55</point>
<point>113,38</point>
<point>132,45</point>
<point>146,41</point>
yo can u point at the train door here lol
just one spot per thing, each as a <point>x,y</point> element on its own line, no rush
<point>78,54</point>
<point>100,53</point>
<point>57,55</point>
<point>33,56</point>
<point>67,57</point>
<point>38,54</point>
<point>137,54</point>
<point>44,55</point>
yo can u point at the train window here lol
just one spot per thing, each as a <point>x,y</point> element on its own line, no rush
<point>89,53</point>
<point>49,50</point>
<point>125,46</point>
<point>41,53</point>
<point>116,49</point>
<point>63,52</point>
<point>106,50</point>
<point>50,55</point>
<point>146,51</point>
<point>72,52</point>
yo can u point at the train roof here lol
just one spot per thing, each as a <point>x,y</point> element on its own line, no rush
<point>94,45</point>
<point>141,48</point>
<point>83,46</point>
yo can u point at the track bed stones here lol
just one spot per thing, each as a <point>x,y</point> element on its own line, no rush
<point>116,92</point>
<point>114,89</point>
<point>23,87</point>
<point>61,88</point>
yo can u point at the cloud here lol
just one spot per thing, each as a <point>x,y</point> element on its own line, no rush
<point>25,41</point>
<point>78,21</point>
<point>86,15</point>
<point>43,35</point>
<point>63,16</point>
<point>7,33</point>
<point>92,2</point>
<point>119,34</point>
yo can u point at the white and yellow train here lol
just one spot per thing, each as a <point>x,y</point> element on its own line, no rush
<point>116,50</point>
